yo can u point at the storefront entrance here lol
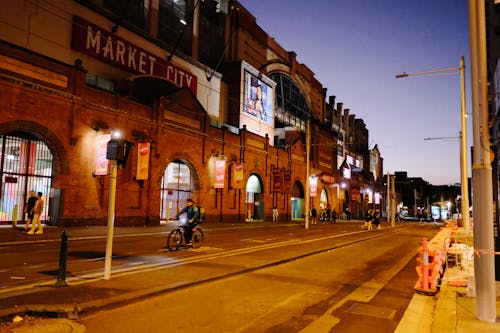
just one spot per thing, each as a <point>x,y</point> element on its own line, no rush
<point>177,185</point>
<point>26,165</point>
<point>297,201</point>
<point>254,203</point>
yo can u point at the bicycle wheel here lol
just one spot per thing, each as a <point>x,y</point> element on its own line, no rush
<point>174,240</point>
<point>197,238</point>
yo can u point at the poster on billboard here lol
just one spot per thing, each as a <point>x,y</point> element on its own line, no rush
<point>257,107</point>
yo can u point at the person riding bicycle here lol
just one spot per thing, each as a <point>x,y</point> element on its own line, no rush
<point>193,218</point>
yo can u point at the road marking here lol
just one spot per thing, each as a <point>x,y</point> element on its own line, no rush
<point>87,277</point>
<point>362,294</point>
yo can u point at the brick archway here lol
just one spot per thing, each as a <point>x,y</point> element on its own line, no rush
<point>60,158</point>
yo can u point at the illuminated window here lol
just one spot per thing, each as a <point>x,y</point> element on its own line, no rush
<point>292,105</point>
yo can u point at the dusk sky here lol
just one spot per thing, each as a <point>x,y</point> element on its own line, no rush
<point>355,49</point>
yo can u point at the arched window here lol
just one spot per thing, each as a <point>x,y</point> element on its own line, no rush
<point>177,186</point>
<point>291,106</point>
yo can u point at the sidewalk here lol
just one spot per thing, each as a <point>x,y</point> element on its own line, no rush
<point>449,311</point>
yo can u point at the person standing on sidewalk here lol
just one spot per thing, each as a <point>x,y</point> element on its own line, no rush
<point>275,214</point>
<point>28,209</point>
<point>37,210</point>
<point>314,214</point>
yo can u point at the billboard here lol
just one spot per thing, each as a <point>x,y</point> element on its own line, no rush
<point>257,106</point>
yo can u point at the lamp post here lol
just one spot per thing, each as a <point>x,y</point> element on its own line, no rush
<point>308,153</point>
<point>463,136</point>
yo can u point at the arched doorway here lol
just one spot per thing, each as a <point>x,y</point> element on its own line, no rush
<point>297,201</point>
<point>177,185</point>
<point>323,198</point>
<point>254,203</point>
<point>27,164</point>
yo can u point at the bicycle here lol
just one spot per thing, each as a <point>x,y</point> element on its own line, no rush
<point>176,238</point>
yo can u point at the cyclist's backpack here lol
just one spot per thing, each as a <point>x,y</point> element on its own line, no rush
<point>201,213</point>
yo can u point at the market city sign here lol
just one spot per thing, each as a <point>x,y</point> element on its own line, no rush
<point>105,46</point>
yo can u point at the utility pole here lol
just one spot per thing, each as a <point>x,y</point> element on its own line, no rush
<point>308,190</point>
<point>393,200</point>
<point>484,264</point>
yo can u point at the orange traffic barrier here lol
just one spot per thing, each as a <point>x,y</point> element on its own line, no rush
<point>431,261</point>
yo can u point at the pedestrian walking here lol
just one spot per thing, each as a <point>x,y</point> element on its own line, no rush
<point>334,216</point>
<point>37,210</point>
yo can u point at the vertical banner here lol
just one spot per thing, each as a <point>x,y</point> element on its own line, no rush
<point>377,198</point>
<point>238,175</point>
<point>313,186</point>
<point>287,183</point>
<point>143,151</point>
<point>101,163</point>
<point>277,182</point>
<point>220,170</point>
<point>355,195</point>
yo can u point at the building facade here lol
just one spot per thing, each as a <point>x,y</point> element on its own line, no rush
<point>211,107</point>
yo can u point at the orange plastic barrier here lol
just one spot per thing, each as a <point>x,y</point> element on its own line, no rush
<point>432,260</point>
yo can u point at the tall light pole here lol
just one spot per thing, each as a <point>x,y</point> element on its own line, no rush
<point>484,264</point>
<point>308,184</point>
<point>463,147</point>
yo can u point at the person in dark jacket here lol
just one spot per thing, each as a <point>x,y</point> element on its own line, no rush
<point>193,218</point>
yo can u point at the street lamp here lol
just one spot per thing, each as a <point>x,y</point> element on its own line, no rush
<point>463,136</point>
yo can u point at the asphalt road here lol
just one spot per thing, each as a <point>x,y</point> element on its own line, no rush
<point>331,278</point>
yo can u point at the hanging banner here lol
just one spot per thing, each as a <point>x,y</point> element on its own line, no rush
<point>238,175</point>
<point>278,182</point>
<point>327,178</point>
<point>287,183</point>
<point>220,170</point>
<point>143,151</point>
<point>101,162</point>
<point>313,186</point>
<point>355,195</point>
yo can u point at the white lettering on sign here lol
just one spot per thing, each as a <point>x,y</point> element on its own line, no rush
<point>108,47</point>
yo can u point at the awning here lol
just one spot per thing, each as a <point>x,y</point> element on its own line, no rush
<point>146,87</point>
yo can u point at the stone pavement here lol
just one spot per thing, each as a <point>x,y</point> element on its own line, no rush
<point>451,310</point>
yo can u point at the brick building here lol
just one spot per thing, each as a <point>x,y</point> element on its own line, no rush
<point>213,107</point>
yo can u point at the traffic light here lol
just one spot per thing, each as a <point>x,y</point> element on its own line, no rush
<point>118,149</point>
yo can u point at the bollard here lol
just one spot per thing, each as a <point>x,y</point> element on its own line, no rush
<point>61,275</point>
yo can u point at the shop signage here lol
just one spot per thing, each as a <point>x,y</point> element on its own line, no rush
<point>106,46</point>
<point>143,151</point>
<point>327,178</point>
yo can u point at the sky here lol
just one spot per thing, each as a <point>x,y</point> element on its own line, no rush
<point>355,49</point>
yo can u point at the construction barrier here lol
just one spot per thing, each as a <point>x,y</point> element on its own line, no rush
<point>432,260</point>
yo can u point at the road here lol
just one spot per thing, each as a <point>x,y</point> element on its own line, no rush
<point>330,278</point>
